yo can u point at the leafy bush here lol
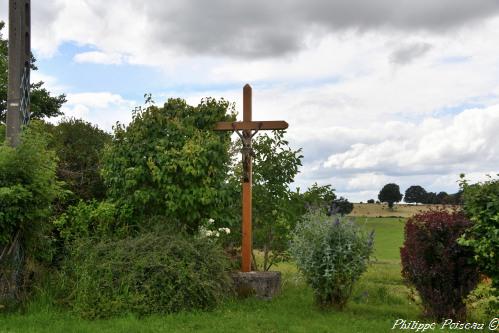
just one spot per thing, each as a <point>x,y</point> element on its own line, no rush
<point>154,273</point>
<point>481,204</point>
<point>332,253</point>
<point>79,146</point>
<point>90,219</point>
<point>169,162</point>
<point>28,186</point>
<point>441,270</point>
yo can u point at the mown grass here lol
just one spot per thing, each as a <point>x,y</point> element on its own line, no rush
<point>378,300</point>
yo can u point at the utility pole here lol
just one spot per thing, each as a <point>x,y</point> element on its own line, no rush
<point>19,68</point>
<point>11,254</point>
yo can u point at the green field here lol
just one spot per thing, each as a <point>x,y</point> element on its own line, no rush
<point>379,299</point>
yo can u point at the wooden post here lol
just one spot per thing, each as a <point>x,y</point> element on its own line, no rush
<point>247,187</point>
<point>19,61</point>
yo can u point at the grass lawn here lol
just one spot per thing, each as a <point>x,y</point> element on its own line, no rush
<point>379,299</point>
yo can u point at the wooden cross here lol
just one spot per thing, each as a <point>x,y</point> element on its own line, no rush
<point>246,129</point>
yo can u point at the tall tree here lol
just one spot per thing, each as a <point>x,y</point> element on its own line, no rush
<point>390,193</point>
<point>415,194</point>
<point>43,104</point>
<point>275,167</point>
<point>79,146</point>
<point>341,206</point>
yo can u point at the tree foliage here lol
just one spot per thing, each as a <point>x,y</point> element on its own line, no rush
<point>319,197</point>
<point>28,186</point>
<point>43,104</point>
<point>275,167</point>
<point>481,204</point>
<point>341,206</point>
<point>415,194</point>
<point>79,146</point>
<point>169,162</point>
<point>390,193</point>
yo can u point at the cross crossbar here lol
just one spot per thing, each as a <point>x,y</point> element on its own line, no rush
<point>250,125</point>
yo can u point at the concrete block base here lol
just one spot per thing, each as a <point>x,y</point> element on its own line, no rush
<point>264,285</point>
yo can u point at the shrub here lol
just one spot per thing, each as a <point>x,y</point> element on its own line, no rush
<point>154,273</point>
<point>441,270</point>
<point>169,162</point>
<point>28,186</point>
<point>332,253</point>
<point>90,219</point>
<point>481,204</point>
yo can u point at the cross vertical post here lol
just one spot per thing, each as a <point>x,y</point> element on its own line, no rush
<point>246,130</point>
<point>247,242</point>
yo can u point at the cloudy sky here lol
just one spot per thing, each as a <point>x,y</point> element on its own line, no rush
<point>374,91</point>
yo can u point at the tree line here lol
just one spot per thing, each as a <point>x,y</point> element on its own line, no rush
<point>390,193</point>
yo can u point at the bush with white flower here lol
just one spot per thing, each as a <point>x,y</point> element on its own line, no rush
<point>209,230</point>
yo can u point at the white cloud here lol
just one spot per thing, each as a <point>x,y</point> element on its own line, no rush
<point>465,141</point>
<point>102,108</point>
<point>431,153</point>
<point>97,57</point>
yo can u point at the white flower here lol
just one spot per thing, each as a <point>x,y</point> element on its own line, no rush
<point>210,221</point>
<point>209,233</point>
<point>226,230</point>
<point>216,233</point>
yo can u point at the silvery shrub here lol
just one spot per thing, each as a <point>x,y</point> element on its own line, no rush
<point>332,253</point>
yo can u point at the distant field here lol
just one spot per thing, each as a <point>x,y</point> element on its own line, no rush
<point>382,210</point>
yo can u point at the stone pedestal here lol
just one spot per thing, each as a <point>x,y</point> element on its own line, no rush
<point>264,285</point>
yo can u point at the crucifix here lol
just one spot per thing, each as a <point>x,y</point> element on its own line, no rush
<point>246,130</point>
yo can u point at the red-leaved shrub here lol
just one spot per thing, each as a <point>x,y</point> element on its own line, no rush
<point>442,271</point>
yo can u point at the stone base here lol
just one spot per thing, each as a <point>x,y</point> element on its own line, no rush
<point>264,285</point>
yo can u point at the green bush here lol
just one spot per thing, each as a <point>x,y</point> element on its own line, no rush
<point>169,162</point>
<point>28,187</point>
<point>90,219</point>
<point>154,273</point>
<point>481,204</point>
<point>332,253</point>
<point>79,146</point>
